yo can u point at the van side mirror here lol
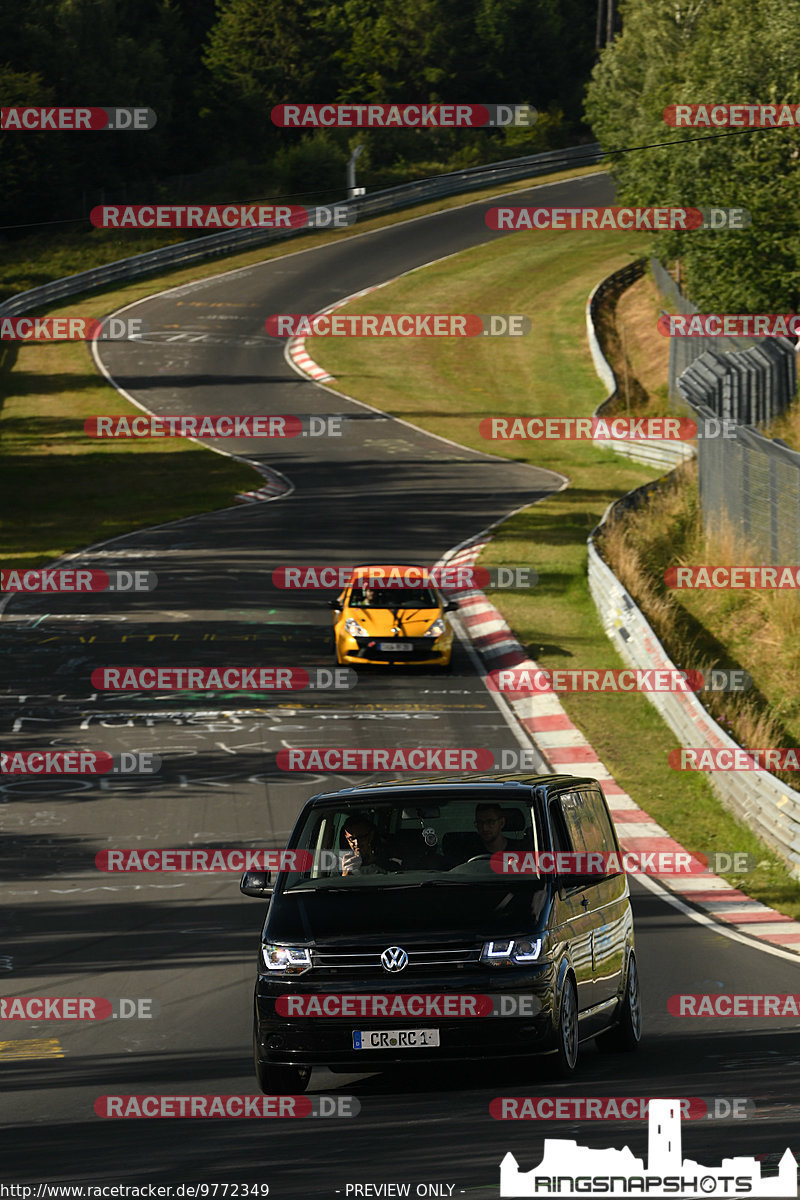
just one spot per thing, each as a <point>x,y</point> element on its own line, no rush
<point>335,605</point>
<point>451,606</point>
<point>256,884</point>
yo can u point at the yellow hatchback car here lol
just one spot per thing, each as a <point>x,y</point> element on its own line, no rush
<point>392,614</point>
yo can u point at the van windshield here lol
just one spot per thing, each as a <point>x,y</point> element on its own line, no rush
<point>379,843</point>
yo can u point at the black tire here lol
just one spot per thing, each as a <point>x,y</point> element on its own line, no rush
<point>275,1079</point>
<point>565,1060</point>
<point>625,1037</point>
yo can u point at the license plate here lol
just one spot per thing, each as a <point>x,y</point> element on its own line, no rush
<point>399,647</point>
<point>393,1039</point>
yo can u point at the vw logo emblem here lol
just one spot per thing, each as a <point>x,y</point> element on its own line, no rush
<point>394,959</point>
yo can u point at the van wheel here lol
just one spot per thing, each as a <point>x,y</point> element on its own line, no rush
<point>625,1037</point>
<point>566,1057</point>
<point>275,1079</point>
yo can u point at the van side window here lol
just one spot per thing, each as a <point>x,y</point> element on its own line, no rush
<point>598,832</point>
<point>559,827</point>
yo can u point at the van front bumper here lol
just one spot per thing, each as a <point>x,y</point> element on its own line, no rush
<point>328,1041</point>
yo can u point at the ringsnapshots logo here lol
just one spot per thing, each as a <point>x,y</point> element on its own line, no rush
<point>78,762</point>
<point>403,116</point>
<point>731,116</point>
<point>77,1008</point>
<point>413,325</point>
<point>523,681</point>
<point>586,429</point>
<point>391,579</point>
<point>72,579</point>
<point>735,325</point>
<point>232,679</point>
<point>570,1170</point>
<point>734,758</point>
<point>222,425</point>
<point>71,329</point>
<point>761,578</point>
<point>237,1107</point>
<point>221,216</point>
<point>75,120</point>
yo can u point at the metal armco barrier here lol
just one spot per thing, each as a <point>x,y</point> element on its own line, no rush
<point>767,806</point>
<point>217,244</point>
<point>661,453</point>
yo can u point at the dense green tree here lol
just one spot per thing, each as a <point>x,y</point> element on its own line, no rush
<point>696,53</point>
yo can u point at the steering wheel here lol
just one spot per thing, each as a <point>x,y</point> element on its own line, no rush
<point>477,858</point>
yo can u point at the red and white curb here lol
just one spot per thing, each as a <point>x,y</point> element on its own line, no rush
<point>296,347</point>
<point>565,749</point>
<point>304,362</point>
<point>277,485</point>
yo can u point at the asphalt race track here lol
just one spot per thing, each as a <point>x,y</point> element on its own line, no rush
<point>188,943</point>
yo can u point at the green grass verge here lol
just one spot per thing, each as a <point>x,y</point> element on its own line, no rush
<point>446,386</point>
<point>64,491</point>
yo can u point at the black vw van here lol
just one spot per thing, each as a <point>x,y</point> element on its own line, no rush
<point>429,923</point>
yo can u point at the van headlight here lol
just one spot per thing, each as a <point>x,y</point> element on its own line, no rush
<point>511,952</point>
<point>436,629</point>
<point>288,960</point>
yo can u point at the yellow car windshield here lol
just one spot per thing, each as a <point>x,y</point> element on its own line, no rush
<point>393,598</point>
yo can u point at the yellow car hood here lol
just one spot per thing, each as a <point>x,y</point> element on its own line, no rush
<point>380,622</point>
